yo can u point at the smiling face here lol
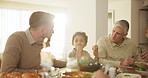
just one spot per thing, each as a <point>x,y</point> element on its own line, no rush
<point>79,40</point>
<point>117,34</point>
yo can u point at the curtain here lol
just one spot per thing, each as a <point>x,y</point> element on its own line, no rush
<point>12,20</point>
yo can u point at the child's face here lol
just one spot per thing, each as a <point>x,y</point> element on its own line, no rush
<point>79,41</point>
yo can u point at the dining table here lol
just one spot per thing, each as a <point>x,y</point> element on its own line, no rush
<point>73,72</point>
<point>131,70</point>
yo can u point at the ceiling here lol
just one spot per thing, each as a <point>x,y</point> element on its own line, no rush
<point>55,3</point>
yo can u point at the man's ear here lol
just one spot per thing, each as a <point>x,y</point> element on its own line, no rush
<point>125,34</point>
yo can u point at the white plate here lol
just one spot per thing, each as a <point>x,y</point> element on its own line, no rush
<point>122,75</point>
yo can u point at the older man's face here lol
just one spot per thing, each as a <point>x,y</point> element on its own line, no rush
<point>117,34</point>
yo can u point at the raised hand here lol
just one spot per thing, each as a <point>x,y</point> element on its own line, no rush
<point>79,50</point>
<point>95,51</point>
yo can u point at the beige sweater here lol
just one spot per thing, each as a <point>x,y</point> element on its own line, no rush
<point>21,54</point>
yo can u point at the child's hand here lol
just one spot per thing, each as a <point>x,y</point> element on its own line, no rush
<point>79,50</point>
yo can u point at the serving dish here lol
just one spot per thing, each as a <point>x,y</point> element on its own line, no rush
<point>140,66</point>
<point>128,75</point>
<point>91,67</point>
<point>77,74</point>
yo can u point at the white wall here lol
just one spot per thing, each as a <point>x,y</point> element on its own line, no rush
<point>122,10</point>
<point>84,15</point>
<point>101,18</point>
<point>129,10</point>
<point>135,5</point>
<point>89,16</point>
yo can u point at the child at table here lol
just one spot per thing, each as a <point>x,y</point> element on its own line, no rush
<point>78,55</point>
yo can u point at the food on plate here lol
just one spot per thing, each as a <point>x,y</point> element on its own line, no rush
<point>10,75</point>
<point>77,74</point>
<point>91,67</point>
<point>19,75</point>
<point>140,66</point>
<point>31,75</point>
<point>128,75</point>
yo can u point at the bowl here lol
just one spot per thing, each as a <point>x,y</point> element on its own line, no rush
<point>128,75</point>
<point>91,67</point>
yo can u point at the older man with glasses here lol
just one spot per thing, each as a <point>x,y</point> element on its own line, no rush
<point>117,49</point>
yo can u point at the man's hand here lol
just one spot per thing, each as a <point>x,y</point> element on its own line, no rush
<point>144,55</point>
<point>95,51</point>
<point>127,61</point>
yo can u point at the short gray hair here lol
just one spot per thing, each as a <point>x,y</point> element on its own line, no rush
<point>123,24</point>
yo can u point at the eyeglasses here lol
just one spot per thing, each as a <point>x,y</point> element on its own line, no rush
<point>117,33</point>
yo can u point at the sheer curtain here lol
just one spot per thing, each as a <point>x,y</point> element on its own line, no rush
<point>18,20</point>
<point>11,21</point>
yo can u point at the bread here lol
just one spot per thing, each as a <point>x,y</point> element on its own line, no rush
<point>19,75</point>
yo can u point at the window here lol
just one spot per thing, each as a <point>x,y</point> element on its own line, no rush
<point>18,20</point>
<point>58,38</point>
<point>11,21</point>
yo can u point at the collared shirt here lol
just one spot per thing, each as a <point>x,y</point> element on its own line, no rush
<point>31,39</point>
<point>110,52</point>
<point>29,36</point>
